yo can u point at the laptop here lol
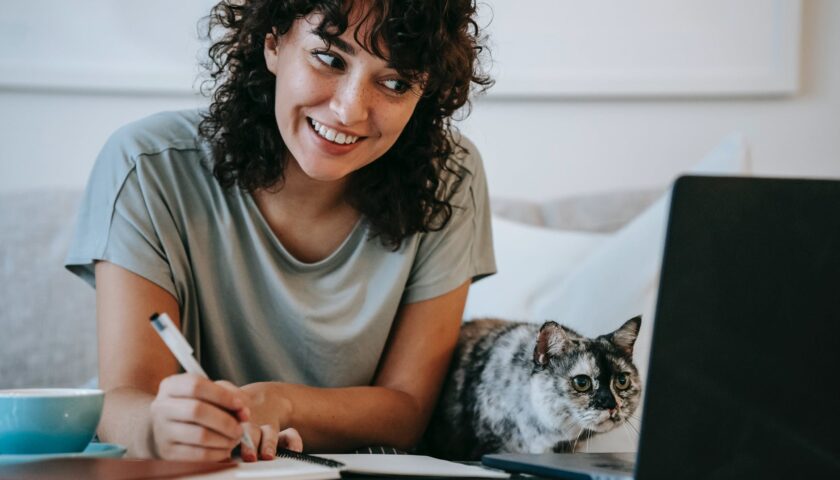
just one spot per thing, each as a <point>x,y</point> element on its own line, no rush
<point>744,375</point>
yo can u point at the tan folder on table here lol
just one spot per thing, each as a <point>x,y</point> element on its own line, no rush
<point>107,469</point>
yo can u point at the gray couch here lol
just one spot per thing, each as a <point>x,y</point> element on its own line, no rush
<point>48,315</point>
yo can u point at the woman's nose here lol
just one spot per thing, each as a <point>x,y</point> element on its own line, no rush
<point>351,101</point>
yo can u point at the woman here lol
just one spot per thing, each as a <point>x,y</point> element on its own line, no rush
<point>313,234</point>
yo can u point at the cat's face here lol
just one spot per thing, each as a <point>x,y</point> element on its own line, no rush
<point>585,384</point>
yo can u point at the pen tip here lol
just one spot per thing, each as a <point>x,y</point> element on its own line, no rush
<point>154,317</point>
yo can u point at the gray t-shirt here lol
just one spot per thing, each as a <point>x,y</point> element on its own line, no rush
<point>252,311</point>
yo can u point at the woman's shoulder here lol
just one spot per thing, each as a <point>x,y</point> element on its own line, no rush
<point>164,140</point>
<point>157,133</point>
<point>162,150</point>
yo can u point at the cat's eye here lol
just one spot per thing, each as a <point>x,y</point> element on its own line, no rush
<point>622,381</point>
<point>582,383</point>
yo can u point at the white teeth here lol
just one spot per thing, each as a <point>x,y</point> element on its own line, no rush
<point>332,135</point>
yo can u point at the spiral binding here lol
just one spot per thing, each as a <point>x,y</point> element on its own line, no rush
<point>282,452</point>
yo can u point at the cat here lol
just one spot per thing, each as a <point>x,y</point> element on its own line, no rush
<point>523,388</point>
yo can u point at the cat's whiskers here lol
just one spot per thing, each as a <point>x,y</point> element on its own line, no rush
<point>628,432</point>
<point>574,445</point>
<point>634,428</point>
<point>637,418</point>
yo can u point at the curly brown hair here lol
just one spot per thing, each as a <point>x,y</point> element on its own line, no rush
<point>404,191</point>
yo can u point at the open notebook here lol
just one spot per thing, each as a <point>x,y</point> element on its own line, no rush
<point>314,467</point>
<point>411,465</point>
<point>281,467</point>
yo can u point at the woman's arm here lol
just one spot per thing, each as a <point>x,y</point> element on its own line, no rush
<point>191,419</point>
<point>396,409</point>
<point>148,408</point>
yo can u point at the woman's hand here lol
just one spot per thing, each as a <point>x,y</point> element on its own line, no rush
<point>196,419</point>
<point>269,414</point>
<point>267,440</point>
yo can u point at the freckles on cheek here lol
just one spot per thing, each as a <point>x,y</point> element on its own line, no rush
<point>394,123</point>
<point>304,83</point>
<point>297,82</point>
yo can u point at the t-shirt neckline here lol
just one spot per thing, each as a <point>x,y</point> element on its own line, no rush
<point>337,255</point>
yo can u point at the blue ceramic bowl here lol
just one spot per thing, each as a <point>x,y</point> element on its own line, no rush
<point>48,420</point>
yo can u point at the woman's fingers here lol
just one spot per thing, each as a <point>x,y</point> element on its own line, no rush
<point>268,443</point>
<point>198,436</point>
<point>193,411</point>
<point>290,439</point>
<point>248,454</point>
<point>196,419</point>
<point>243,414</point>
<point>268,440</point>
<point>194,386</point>
<point>184,441</point>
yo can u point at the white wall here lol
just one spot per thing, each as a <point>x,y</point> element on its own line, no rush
<point>541,149</point>
<point>538,148</point>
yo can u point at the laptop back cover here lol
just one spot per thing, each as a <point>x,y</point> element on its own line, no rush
<point>579,466</point>
<point>743,375</point>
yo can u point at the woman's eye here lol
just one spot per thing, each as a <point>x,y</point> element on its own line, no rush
<point>329,60</point>
<point>582,383</point>
<point>397,85</point>
<point>622,381</point>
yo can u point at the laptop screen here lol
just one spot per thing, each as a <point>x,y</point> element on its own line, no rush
<point>745,362</point>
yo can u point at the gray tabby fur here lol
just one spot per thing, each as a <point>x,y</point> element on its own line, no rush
<point>509,389</point>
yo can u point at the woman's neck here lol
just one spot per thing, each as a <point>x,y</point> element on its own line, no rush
<point>303,198</point>
<point>309,217</point>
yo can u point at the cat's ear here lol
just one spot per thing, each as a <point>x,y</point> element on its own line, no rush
<point>625,337</point>
<point>550,341</point>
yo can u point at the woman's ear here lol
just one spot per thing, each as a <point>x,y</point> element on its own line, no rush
<point>270,52</point>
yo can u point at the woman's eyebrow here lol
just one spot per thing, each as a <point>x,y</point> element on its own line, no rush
<point>344,46</point>
<point>341,44</point>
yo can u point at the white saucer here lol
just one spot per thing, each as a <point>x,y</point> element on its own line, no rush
<point>93,450</point>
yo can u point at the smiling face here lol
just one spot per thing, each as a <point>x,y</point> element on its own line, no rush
<point>338,107</point>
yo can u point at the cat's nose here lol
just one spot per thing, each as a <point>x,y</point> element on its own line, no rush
<point>604,400</point>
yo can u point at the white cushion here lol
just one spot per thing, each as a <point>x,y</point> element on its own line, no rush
<point>530,260</point>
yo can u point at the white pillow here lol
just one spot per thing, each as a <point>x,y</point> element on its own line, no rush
<point>529,259</point>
